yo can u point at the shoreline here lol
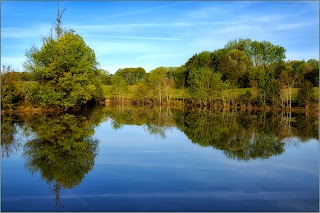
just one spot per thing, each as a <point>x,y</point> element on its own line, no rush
<point>313,109</point>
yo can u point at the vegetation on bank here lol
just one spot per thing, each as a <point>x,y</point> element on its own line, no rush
<point>63,74</point>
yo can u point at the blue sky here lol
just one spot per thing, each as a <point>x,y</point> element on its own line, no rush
<point>160,33</point>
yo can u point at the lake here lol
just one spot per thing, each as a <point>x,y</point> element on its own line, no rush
<point>126,158</point>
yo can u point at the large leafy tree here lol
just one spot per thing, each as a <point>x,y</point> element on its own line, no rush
<point>205,85</point>
<point>234,66</point>
<point>65,68</point>
<point>160,84</point>
<point>119,87</point>
<point>132,75</point>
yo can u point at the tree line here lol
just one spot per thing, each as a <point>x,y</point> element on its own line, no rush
<point>63,73</point>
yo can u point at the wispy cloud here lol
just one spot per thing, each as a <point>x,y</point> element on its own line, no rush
<point>133,37</point>
<point>291,26</point>
<point>24,33</point>
<point>130,13</point>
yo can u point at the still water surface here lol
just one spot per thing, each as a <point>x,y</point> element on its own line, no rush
<point>152,159</point>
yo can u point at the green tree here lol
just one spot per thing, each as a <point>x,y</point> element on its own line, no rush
<point>65,68</point>
<point>132,75</point>
<point>143,94</point>
<point>306,94</point>
<point>178,74</point>
<point>287,81</point>
<point>10,82</point>
<point>311,72</point>
<point>264,53</point>
<point>234,66</point>
<point>156,80</point>
<point>205,85</point>
<point>104,77</point>
<point>119,87</point>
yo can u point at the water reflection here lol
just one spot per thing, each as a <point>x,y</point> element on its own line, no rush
<point>62,149</point>
<point>240,135</point>
<point>9,141</point>
<point>155,120</point>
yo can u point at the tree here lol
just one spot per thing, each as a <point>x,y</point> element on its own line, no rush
<point>104,77</point>
<point>205,85</point>
<point>156,80</point>
<point>287,80</point>
<point>132,75</point>
<point>143,94</point>
<point>119,87</point>
<point>10,95</point>
<point>264,53</point>
<point>65,68</point>
<point>201,60</point>
<point>266,86</point>
<point>305,94</point>
<point>311,72</point>
<point>234,66</point>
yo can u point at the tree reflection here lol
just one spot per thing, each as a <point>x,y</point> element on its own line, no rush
<point>9,142</point>
<point>240,135</point>
<point>63,150</point>
<point>156,120</point>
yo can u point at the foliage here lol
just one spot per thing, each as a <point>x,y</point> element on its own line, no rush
<point>104,77</point>
<point>10,95</point>
<point>178,75</point>
<point>65,68</point>
<point>160,84</point>
<point>132,75</point>
<point>63,73</point>
<point>306,94</point>
<point>205,85</point>
<point>143,94</point>
<point>234,66</point>
<point>119,87</point>
<point>287,81</point>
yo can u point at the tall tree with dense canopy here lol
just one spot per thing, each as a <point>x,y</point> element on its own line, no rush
<point>205,85</point>
<point>157,81</point>
<point>132,75</point>
<point>65,68</point>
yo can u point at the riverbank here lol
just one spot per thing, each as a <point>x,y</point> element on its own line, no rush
<point>313,109</point>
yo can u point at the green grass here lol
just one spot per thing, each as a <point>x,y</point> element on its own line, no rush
<point>107,93</point>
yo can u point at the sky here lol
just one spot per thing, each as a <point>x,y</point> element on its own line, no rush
<point>151,34</point>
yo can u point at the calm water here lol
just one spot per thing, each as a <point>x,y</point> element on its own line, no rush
<point>160,159</point>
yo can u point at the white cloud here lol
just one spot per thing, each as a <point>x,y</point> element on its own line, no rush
<point>129,13</point>
<point>25,33</point>
<point>132,37</point>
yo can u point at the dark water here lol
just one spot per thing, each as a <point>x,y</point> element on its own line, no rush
<point>151,159</point>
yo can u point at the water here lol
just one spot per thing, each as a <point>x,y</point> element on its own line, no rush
<point>160,159</point>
